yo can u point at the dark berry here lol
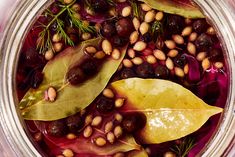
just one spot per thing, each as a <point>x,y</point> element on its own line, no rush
<point>145,70</point>
<point>118,41</point>
<point>213,92</point>
<point>200,26</point>
<point>215,55</point>
<point>174,24</point>
<point>104,104</point>
<point>36,79</point>
<point>75,75</point>
<point>124,27</point>
<point>180,60</point>
<point>74,123</point>
<point>161,72</point>
<point>57,128</point>
<point>108,29</point>
<point>54,26</point>
<point>89,67</point>
<point>127,73</point>
<point>54,8</point>
<point>203,42</point>
<point>100,5</point>
<point>146,37</point>
<point>133,122</point>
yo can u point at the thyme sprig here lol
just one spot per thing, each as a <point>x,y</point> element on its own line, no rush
<point>45,36</point>
<point>136,8</point>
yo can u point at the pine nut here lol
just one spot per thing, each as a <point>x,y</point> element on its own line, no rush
<point>57,47</point>
<point>56,38</point>
<point>210,31</point>
<point>99,55</point>
<point>119,102</point>
<point>160,55</point>
<point>117,131</point>
<point>100,141</point>
<point>71,136</point>
<point>145,7</point>
<point>96,121</point>
<point>49,54</point>
<point>119,155</point>
<point>118,117</point>
<point>169,154</point>
<point>108,93</point>
<point>159,16</point>
<point>76,7</point>
<point>134,37</point>
<point>187,31</point>
<point>173,53</point>
<point>116,54</point>
<point>186,69</point>
<point>90,50</point>
<point>108,127</point>
<point>219,65</point>
<point>191,48</point>
<point>51,92</point>
<point>88,119</point>
<point>192,36</point>
<point>140,46</point>
<point>131,53</point>
<point>170,44</point>
<point>86,36</point>
<point>68,153</point>
<point>201,56</point>
<point>178,39</point>
<point>151,59</point>
<point>169,64</point>
<point>126,11</point>
<point>206,64</point>
<point>144,28</point>
<point>110,137</point>
<point>87,131</point>
<point>136,23</point>
<point>149,16</point>
<point>127,63</point>
<point>107,47</point>
<point>179,72</point>
<point>137,60</point>
<point>68,1</point>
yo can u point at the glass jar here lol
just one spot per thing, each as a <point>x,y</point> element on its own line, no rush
<point>13,134</point>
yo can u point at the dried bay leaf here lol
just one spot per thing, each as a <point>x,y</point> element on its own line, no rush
<point>171,110</point>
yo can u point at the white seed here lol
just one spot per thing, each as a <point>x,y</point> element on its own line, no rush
<point>110,137</point>
<point>170,44</point>
<point>87,131</point>
<point>108,127</point>
<point>139,46</point>
<point>179,72</point>
<point>90,50</point>
<point>68,1</point>
<point>211,31</point>
<point>131,53</point>
<point>99,55</point>
<point>186,69</point>
<point>149,16</point>
<point>188,21</point>
<point>144,28</point>
<point>100,141</point>
<point>159,16</point>
<point>151,59</point>
<point>178,39</point>
<point>117,131</point>
<point>118,117</point>
<point>49,54</point>
<point>219,65</point>
<point>169,64</point>
<point>169,154</point>
<point>160,55</point>
<point>68,153</point>
<point>126,11</point>
<point>192,36</point>
<point>191,48</point>
<point>127,63</point>
<point>88,119</point>
<point>137,60</point>
<point>57,47</point>
<point>107,47</point>
<point>96,121</point>
<point>119,102</point>
<point>51,92</point>
<point>173,53</point>
<point>206,64</point>
<point>108,93</point>
<point>119,155</point>
<point>134,37</point>
<point>113,12</point>
<point>136,23</point>
<point>187,31</point>
<point>86,36</point>
<point>71,136</point>
<point>145,7</point>
<point>116,54</point>
<point>56,38</point>
<point>201,56</point>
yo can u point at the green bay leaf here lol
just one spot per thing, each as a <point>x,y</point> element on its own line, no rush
<point>171,110</point>
<point>70,99</point>
<point>185,8</point>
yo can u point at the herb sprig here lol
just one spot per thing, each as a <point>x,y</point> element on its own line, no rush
<point>136,8</point>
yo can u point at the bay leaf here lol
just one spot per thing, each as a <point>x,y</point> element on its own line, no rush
<point>185,8</point>
<point>171,110</point>
<point>70,99</point>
